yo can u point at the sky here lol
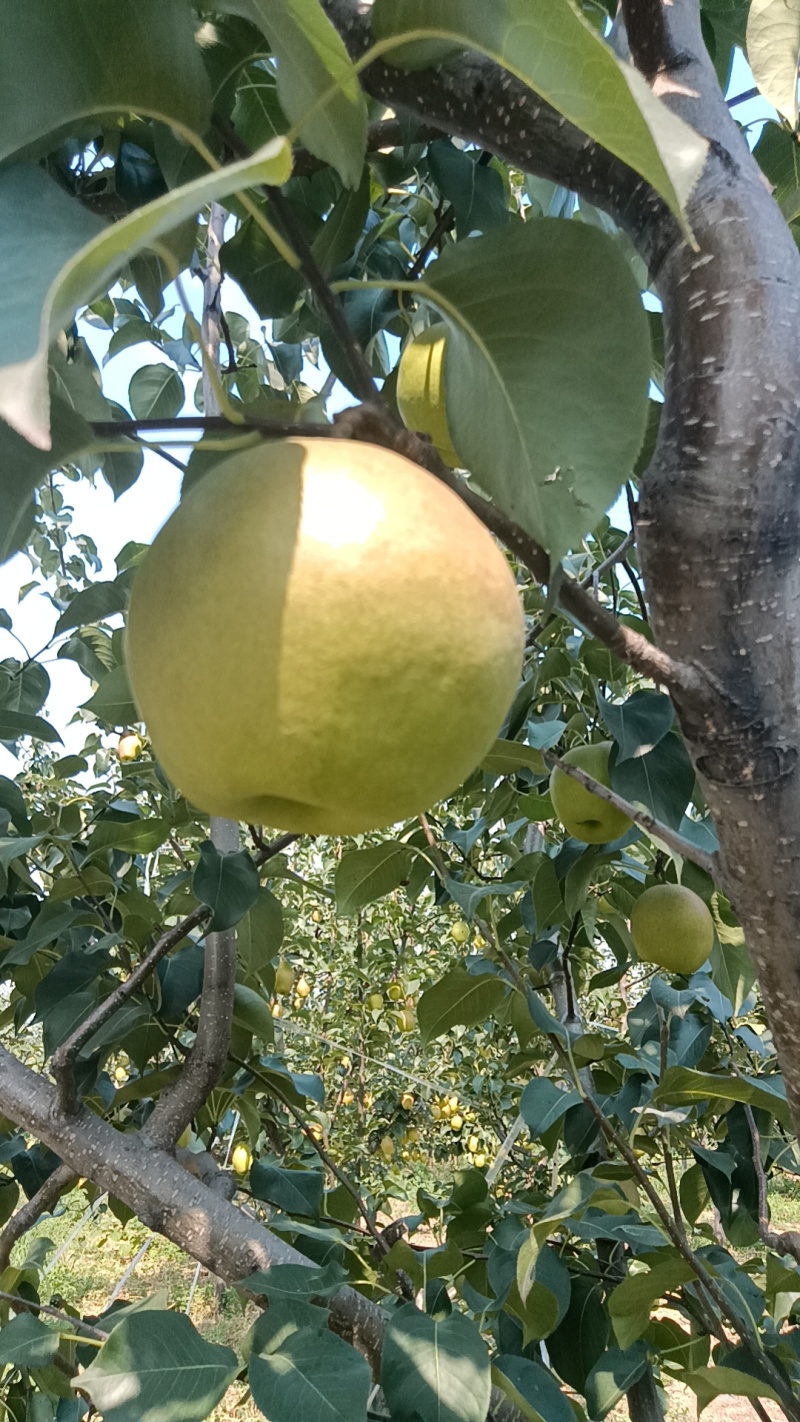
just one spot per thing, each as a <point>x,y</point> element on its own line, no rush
<point>138,514</point>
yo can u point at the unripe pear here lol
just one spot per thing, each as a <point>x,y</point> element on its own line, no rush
<point>241,1160</point>
<point>284,978</point>
<point>303,988</point>
<point>672,927</point>
<point>386,1147</point>
<point>129,746</point>
<point>394,992</point>
<point>420,389</point>
<point>459,931</point>
<point>375,1002</point>
<point>364,629</point>
<point>585,816</point>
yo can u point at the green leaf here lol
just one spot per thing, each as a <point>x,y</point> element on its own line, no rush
<point>507,756</point>
<point>476,192</point>
<point>58,256</point>
<point>662,780</point>
<point>252,1012</point>
<point>435,1370</point>
<point>112,703</point>
<point>155,393</point>
<point>544,1288</point>
<point>134,835</point>
<point>532,1389</point>
<point>581,1337</point>
<point>228,883</point>
<point>311,1376</point>
<point>156,1365</point>
<point>545,321</point>
<point>612,1376</point>
<point>773,50</point>
<point>638,724</point>
<point>732,972</point>
<point>312,62</point>
<point>543,1103</point>
<point>294,1281</point>
<point>343,226</point>
<point>459,998</point>
<point>708,1383</point>
<point>22,467</point>
<point>470,896</point>
<point>14,724</point>
<point>298,1192</point>
<point>631,1302</point>
<point>364,875</point>
<point>260,933</point>
<point>555,52</point>
<point>58,67</point>
<point>27,1342</point>
<point>94,604</point>
<point>681,1085</point>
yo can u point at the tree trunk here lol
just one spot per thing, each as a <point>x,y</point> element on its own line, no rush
<point>718,524</point>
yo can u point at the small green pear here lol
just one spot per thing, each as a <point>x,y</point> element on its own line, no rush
<point>671,927</point>
<point>584,815</point>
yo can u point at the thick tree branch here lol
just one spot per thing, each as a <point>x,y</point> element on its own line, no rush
<point>31,1212</point>
<point>654,827</point>
<point>224,1239</point>
<point>476,100</point>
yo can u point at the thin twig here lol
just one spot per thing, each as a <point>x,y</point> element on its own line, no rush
<point>324,1156</point>
<point>63,1059</point>
<point>643,818</point>
<point>789,1242</point>
<point>444,222</point>
<point>28,1306</point>
<point>39,1204</point>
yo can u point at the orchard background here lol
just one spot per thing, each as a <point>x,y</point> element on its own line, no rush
<point>454,1151</point>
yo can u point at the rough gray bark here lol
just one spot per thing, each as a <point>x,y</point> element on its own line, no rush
<point>718,518</point>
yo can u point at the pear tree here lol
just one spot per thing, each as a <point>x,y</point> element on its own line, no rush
<point>408,929</point>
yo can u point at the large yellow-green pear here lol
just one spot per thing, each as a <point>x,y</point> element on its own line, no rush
<point>420,390</point>
<point>671,927</point>
<point>584,815</point>
<point>322,638</point>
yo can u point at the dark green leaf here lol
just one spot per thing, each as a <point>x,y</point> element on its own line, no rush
<point>94,604</point>
<point>313,65</point>
<point>662,780</point>
<point>57,67</point>
<point>310,1375</point>
<point>134,835</point>
<point>294,1281</point>
<point>638,724</point>
<point>435,1370</point>
<point>544,318</point>
<point>532,1388</point>
<point>27,1342</point>
<point>14,724</point>
<point>543,1103</point>
<point>155,392</point>
<point>612,1376</point>
<point>364,875</point>
<point>112,703</point>
<point>228,883</point>
<point>459,998</point>
<point>298,1192</point>
<point>476,192</point>
<point>23,466</point>
<point>156,1364</point>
